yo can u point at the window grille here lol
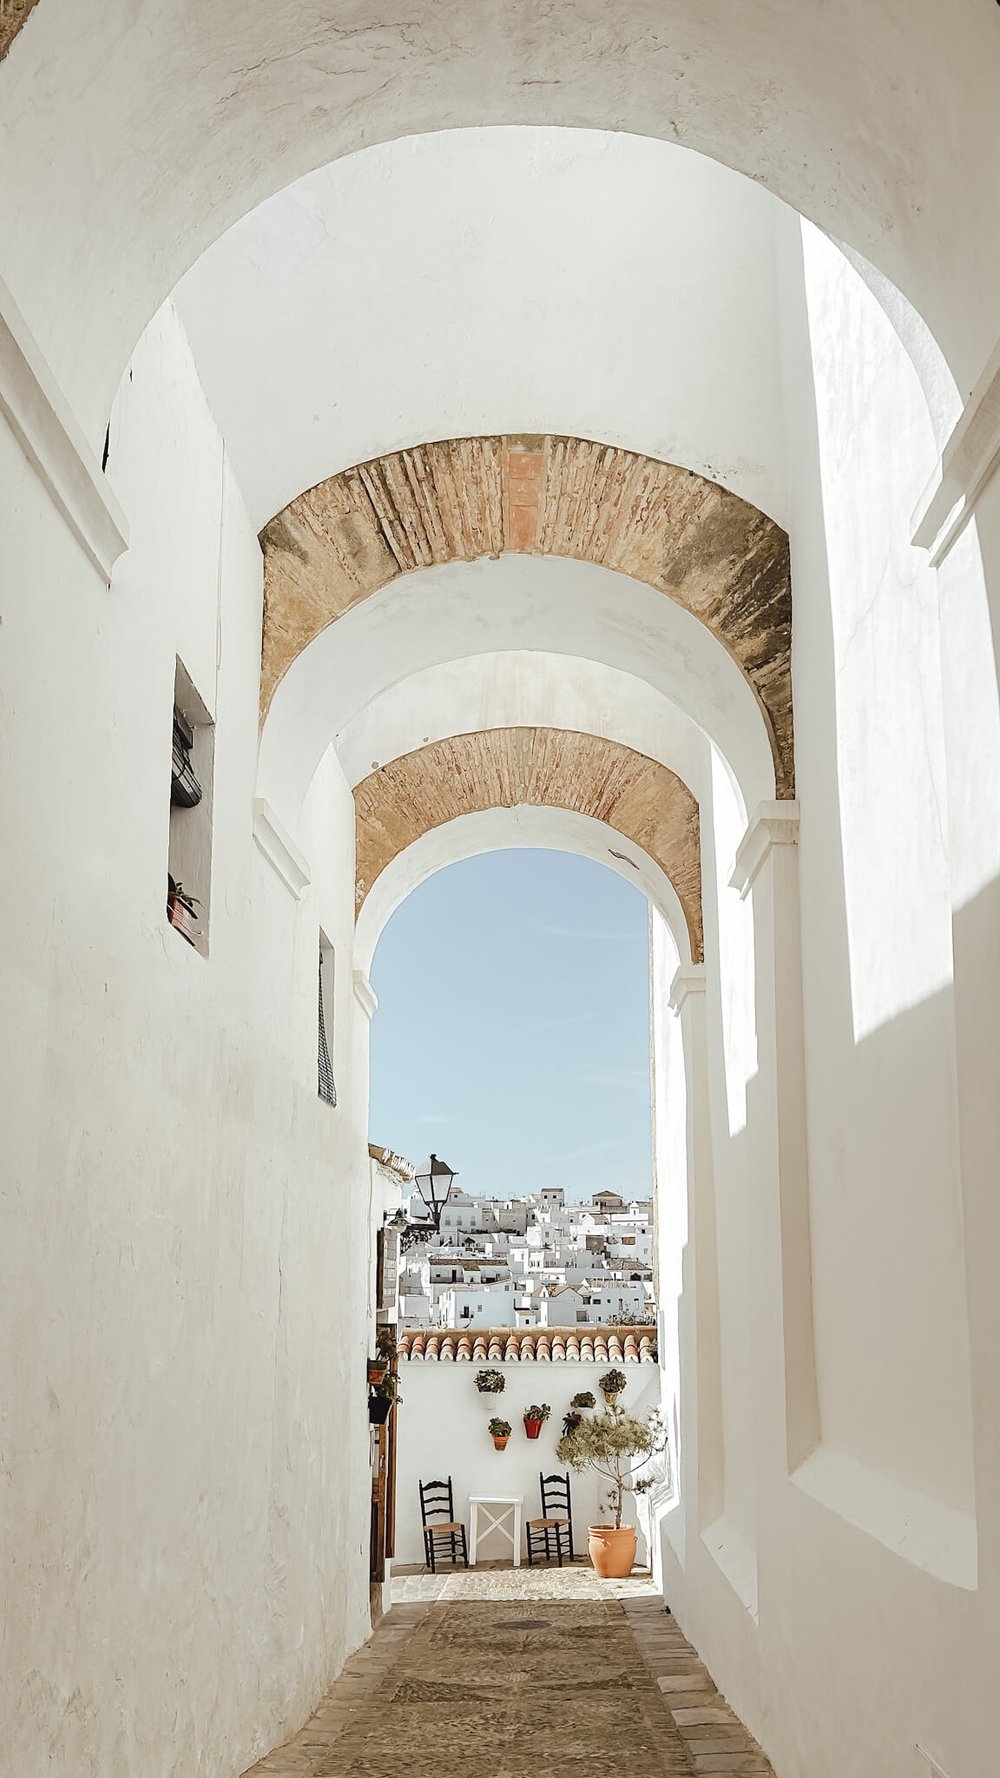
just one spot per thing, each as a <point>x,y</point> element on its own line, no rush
<point>327,1085</point>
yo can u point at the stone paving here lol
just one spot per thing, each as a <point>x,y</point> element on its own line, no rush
<point>544,1671</point>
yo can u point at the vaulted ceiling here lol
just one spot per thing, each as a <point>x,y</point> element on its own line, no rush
<point>461,499</point>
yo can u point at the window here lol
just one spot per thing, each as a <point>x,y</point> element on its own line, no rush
<point>189,847</point>
<point>327,1086</point>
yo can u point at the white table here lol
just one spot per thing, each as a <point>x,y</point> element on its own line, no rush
<point>511,1506</point>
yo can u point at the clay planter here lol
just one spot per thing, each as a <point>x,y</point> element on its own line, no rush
<point>500,1444</point>
<point>183,918</point>
<point>612,1552</point>
<point>379,1409</point>
<point>377,1371</point>
<point>532,1428</point>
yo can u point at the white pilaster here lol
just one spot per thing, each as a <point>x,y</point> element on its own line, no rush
<point>767,866</point>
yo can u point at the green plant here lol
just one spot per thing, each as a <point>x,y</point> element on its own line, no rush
<point>612,1383</point>
<point>385,1340</point>
<point>499,1428</point>
<point>491,1382</point>
<point>538,1413</point>
<point>584,1400</point>
<point>388,1389</point>
<point>616,1445</point>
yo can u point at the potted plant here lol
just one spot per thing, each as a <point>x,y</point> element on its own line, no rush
<point>491,1382</point>
<point>385,1353</point>
<point>535,1418</point>
<point>616,1445</point>
<point>381,1399</point>
<point>377,1369</point>
<point>611,1386</point>
<point>500,1431</point>
<point>571,1420</point>
<point>181,910</point>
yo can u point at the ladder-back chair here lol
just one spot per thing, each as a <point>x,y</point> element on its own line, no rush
<point>442,1531</point>
<point>552,1534</point>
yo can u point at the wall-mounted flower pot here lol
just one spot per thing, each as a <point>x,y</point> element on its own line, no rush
<point>532,1428</point>
<point>611,1396</point>
<point>183,917</point>
<point>379,1407</point>
<point>377,1370</point>
<point>500,1444</point>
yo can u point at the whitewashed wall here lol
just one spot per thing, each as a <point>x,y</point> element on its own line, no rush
<point>442,1424</point>
<point>866,1551</point>
<point>182,1262</point>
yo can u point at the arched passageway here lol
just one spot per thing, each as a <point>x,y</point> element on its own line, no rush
<point>500,478</point>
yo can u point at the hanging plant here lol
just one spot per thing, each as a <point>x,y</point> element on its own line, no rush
<point>499,1432</point>
<point>585,1399</point>
<point>491,1382</point>
<point>535,1418</point>
<point>611,1385</point>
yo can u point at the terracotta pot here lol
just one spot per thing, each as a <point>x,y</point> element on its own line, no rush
<point>612,1552</point>
<point>500,1444</point>
<point>377,1373</point>
<point>183,918</point>
<point>533,1427</point>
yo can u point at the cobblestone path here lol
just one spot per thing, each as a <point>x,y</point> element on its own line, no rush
<point>516,1675</point>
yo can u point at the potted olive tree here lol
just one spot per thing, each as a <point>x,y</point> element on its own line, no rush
<point>500,1432</point>
<point>616,1445</point>
<point>535,1418</point>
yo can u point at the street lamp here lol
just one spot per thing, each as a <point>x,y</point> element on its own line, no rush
<point>434,1184</point>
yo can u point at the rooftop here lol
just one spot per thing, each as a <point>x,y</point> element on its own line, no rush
<point>529,1345</point>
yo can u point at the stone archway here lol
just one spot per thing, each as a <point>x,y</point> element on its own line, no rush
<point>543,767</point>
<point>688,538</point>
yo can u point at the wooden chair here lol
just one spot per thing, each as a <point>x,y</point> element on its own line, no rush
<point>552,1534</point>
<point>437,1510</point>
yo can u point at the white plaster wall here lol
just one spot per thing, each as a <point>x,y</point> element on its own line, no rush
<point>136,132</point>
<point>442,1425</point>
<point>867,1554</point>
<point>573,610</point>
<point>876,921</point>
<point>523,689</point>
<point>182,1274</point>
<point>651,266</point>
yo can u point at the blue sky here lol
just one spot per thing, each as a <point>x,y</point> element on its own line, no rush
<point>512,1030</point>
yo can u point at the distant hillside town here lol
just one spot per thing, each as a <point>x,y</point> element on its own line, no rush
<point>532,1261</point>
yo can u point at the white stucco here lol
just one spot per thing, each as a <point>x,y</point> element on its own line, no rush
<point>546,603</point>
<point>677,330</point>
<point>442,1426</point>
<point>521,689</point>
<point>184,1439</point>
<point>170,127</point>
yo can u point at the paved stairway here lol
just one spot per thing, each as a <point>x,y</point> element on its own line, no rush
<point>516,1674</point>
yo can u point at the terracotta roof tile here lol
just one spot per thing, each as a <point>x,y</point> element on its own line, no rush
<point>529,1345</point>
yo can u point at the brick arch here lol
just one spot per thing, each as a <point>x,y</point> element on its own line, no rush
<point>462,499</point>
<point>548,768</point>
